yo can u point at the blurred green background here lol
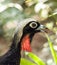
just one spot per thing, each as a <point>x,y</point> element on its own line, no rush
<point>14,11</point>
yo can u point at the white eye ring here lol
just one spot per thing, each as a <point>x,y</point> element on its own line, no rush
<point>33,25</point>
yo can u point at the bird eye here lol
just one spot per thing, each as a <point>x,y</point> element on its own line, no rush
<point>33,25</point>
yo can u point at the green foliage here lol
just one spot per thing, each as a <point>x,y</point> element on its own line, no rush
<point>54,55</point>
<point>36,60</point>
<point>26,62</point>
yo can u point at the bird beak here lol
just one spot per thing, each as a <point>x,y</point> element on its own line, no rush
<point>41,27</point>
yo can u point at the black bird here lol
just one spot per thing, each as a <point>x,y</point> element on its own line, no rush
<point>22,38</point>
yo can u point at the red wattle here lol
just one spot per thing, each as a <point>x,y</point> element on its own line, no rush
<point>26,44</point>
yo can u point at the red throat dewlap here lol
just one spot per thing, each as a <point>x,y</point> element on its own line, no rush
<point>26,44</point>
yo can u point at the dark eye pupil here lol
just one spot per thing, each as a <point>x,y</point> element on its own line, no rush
<point>33,25</point>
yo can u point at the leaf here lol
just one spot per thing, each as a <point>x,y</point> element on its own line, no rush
<point>36,59</point>
<point>52,49</point>
<point>26,62</point>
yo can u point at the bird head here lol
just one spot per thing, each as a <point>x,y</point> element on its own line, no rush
<point>25,32</point>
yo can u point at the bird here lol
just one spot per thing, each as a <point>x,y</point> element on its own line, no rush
<point>21,41</point>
